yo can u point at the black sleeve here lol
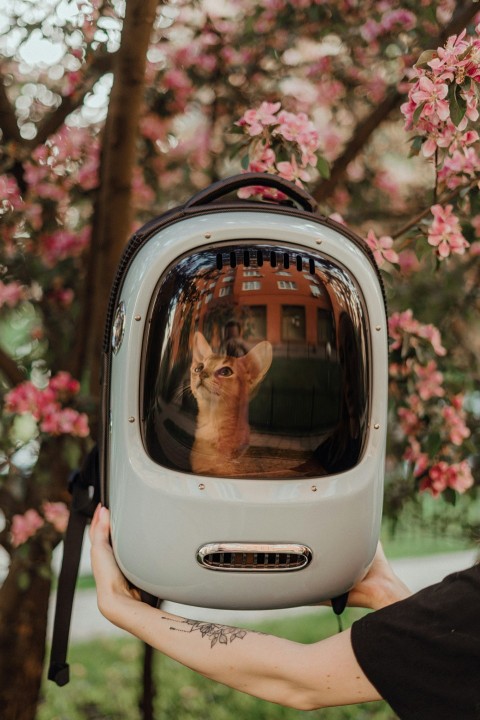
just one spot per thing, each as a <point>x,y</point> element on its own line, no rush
<point>423,654</point>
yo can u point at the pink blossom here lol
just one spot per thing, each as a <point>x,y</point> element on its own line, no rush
<point>64,421</point>
<point>370,30</point>
<point>430,379</point>
<point>291,171</point>
<point>11,293</point>
<point>421,464</point>
<point>432,93</point>
<point>44,404</point>
<point>474,249</point>
<point>256,120</point>
<point>403,325</point>
<point>408,262</point>
<point>442,476</point>
<point>10,198</point>
<point>64,384</point>
<point>463,479</point>
<point>382,248</point>
<point>57,514</point>
<point>410,416</point>
<point>27,398</point>
<point>455,425</point>
<point>337,218</point>
<point>445,233</point>
<point>400,17</point>
<point>153,127</point>
<point>25,526</point>
<point>63,244</point>
<point>298,128</point>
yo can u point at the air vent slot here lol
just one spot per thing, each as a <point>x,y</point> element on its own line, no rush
<point>254,557</point>
<point>275,259</point>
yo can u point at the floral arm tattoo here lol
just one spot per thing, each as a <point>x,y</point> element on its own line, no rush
<point>222,634</point>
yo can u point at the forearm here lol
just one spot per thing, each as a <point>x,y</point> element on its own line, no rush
<point>301,676</point>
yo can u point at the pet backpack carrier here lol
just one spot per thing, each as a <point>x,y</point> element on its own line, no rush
<point>245,402</point>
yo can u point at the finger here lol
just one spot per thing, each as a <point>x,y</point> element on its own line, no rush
<point>100,530</point>
<point>94,521</point>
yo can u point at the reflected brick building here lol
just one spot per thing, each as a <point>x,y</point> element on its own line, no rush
<point>291,308</point>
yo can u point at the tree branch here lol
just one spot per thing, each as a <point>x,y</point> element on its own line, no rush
<point>10,369</point>
<point>8,119</point>
<point>366,127</point>
<point>443,201</point>
<point>101,64</point>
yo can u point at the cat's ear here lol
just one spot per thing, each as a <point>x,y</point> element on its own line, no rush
<point>258,362</point>
<point>201,348</point>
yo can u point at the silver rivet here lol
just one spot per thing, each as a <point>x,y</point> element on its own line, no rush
<point>314,488</point>
<point>201,486</point>
<point>207,236</point>
<point>319,242</point>
<point>378,328</point>
<point>376,426</point>
<point>131,419</point>
<point>138,317</point>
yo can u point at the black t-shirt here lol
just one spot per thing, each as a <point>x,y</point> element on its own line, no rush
<point>423,654</point>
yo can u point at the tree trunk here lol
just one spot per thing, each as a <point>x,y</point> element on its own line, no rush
<point>148,690</point>
<point>23,622</point>
<point>24,595</point>
<point>112,222</point>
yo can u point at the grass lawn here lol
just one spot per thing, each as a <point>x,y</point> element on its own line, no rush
<point>105,684</point>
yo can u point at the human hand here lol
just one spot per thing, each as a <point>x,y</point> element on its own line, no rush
<point>379,587</point>
<point>112,586</point>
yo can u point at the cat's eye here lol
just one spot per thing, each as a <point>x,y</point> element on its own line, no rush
<point>199,368</point>
<point>225,372</point>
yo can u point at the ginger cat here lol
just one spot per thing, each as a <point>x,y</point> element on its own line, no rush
<point>222,386</point>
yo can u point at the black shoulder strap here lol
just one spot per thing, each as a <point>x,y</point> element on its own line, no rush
<point>85,489</point>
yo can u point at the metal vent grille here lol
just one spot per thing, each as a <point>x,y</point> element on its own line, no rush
<point>254,557</point>
<point>256,258</point>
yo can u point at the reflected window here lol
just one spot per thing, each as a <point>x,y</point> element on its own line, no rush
<point>293,323</point>
<point>251,273</point>
<point>315,290</point>
<point>225,291</point>
<point>325,326</point>
<point>252,285</point>
<point>255,324</point>
<point>287,285</point>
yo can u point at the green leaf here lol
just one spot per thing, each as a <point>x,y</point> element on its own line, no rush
<point>245,161</point>
<point>450,496</point>
<point>425,58</point>
<point>434,443</point>
<point>458,104</point>
<point>323,167</point>
<point>418,112</point>
<point>416,146</point>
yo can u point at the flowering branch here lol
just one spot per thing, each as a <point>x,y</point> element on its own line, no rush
<point>366,127</point>
<point>424,213</point>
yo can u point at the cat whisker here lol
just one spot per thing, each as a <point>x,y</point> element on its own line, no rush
<point>181,392</point>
